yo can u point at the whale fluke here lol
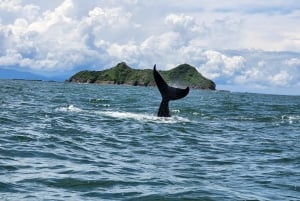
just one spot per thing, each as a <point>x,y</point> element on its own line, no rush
<point>167,93</point>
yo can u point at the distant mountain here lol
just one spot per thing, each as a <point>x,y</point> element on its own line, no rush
<point>14,74</point>
<point>181,76</point>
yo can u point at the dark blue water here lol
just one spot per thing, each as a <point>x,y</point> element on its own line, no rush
<point>63,141</point>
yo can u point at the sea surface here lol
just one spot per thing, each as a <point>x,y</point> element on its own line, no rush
<point>66,141</point>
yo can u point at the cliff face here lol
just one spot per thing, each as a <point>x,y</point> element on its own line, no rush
<point>181,76</point>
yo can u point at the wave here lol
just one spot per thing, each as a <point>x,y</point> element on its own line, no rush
<point>125,115</point>
<point>70,108</point>
<point>143,117</point>
<point>290,118</point>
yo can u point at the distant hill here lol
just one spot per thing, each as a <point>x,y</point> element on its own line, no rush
<point>181,76</point>
<point>15,74</point>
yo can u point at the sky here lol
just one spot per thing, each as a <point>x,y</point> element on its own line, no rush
<point>245,46</point>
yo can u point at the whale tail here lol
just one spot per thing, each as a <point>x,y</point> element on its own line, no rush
<point>168,93</point>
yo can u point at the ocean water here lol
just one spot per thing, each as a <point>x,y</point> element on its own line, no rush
<point>65,141</point>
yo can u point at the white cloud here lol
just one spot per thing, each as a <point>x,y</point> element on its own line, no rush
<point>293,62</point>
<point>180,22</point>
<point>11,58</point>
<point>12,8</point>
<point>281,79</point>
<point>62,36</point>
<point>219,64</point>
<point>10,5</point>
<point>50,43</point>
<point>129,52</point>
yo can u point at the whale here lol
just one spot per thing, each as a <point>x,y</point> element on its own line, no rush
<point>168,93</point>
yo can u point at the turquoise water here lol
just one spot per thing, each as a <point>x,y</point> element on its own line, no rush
<point>63,141</point>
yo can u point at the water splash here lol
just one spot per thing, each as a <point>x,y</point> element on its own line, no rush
<point>70,108</point>
<point>290,119</point>
<point>125,115</point>
<point>143,117</point>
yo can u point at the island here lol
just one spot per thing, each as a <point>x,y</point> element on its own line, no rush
<point>180,76</point>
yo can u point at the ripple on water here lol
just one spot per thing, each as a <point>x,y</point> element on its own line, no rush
<point>88,142</point>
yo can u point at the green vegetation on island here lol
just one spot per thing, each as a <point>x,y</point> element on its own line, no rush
<point>181,76</point>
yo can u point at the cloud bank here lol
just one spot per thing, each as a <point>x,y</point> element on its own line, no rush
<point>236,43</point>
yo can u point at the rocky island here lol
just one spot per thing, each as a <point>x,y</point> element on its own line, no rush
<point>182,75</point>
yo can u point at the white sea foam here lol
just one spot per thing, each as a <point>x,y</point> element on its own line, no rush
<point>143,117</point>
<point>70,108</point>
<point>125,115</point>
<point>290,118</point>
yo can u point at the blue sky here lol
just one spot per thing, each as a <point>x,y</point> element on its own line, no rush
<point>247,45</point>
